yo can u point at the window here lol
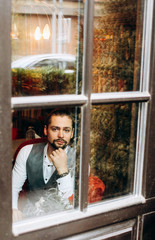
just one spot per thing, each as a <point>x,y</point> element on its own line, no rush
<point>113,143</point>
<point>108,86</point>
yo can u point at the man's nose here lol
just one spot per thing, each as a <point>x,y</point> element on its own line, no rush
<point>60,133</point>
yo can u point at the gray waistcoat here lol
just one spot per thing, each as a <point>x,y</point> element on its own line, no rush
<point>34,168</point>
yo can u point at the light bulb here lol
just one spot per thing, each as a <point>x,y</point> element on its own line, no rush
<point>46,32</point>
<point>37,34</point>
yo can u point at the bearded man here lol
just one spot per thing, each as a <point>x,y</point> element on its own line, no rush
<point>46,165</point>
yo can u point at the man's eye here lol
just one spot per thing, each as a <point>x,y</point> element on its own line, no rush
<point>67,130</point>
<point>54,129</point>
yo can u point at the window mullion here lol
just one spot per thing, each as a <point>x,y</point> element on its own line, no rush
<point>143,107</point>
<point>53,100</point>
<point>147,44</point>
<point>5,121</point>
<point>115,97</point>
<point>141,135</point>
<point>85,120</point>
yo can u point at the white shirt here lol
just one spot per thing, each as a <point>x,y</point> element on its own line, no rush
<point>64,184</point>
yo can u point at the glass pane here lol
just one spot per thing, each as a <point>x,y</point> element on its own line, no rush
<point>44,161</point>
<point>117,45</point>
<point>46,52</point>
<point>113,143</point>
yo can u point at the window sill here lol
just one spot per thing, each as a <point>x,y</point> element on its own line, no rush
<point>33,224</point>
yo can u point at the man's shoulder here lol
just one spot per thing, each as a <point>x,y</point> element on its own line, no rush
<point>29,147</point>
<point>39,146</point>
<point>70,150</point>
<point>26,148</point>
<point>71,153</point>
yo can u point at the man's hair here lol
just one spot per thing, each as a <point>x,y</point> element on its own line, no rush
<point>59,112</point>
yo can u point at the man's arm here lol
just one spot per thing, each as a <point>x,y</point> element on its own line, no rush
<point>17,215</point>
<point>65,186</point>
<point>65,181</point>
<point>18,179</point>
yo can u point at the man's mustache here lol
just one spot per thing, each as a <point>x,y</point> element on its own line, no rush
<point>60,139</point>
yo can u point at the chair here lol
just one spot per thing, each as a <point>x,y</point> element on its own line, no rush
<point>28,142</point>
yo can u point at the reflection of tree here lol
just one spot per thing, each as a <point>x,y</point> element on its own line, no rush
<point>42,81</point>
<point>114,46</point>
<point>112,154</point>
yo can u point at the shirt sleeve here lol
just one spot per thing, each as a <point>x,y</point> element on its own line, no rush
<point>65,186</point>
<point>19,174</point>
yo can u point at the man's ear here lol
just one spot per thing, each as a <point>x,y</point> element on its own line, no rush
<point>45,130</point>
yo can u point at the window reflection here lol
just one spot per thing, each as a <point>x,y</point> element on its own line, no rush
<point>45,39</point>
<point>113,138</point>
<point>117,45</point>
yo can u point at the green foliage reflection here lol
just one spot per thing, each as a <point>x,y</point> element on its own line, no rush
<point>117,43</point>
<point>113,134</point>
<point>42,81</point>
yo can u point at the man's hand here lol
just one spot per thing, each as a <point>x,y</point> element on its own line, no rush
<point>17,215</point>
<point>59,159</point>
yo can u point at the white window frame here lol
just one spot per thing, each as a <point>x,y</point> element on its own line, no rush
<point>85,100</point>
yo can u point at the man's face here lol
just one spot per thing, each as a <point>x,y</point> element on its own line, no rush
<point>59,131</point>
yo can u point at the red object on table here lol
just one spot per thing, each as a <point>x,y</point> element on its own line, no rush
<point>95,190</point>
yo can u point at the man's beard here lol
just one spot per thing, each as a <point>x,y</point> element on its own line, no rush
<point>55,146</point>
